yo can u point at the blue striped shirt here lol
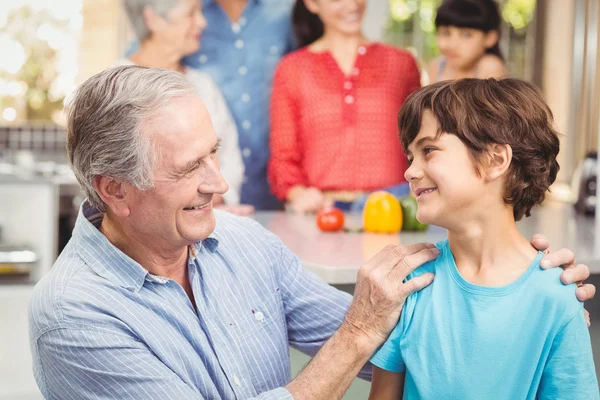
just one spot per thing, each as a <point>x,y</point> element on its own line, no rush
<point>102,326</point>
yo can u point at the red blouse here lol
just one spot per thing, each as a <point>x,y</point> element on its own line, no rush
<point>335,131</point>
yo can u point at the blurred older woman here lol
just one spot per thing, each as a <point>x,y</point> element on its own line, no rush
<point>168,30</point>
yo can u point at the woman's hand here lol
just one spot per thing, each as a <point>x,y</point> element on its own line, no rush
<point>306,200</point>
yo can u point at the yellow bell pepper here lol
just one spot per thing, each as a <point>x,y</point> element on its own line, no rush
<point>382,213</point>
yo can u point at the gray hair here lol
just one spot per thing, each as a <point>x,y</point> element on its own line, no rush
<point>105,119</point>
<point>135,13</point>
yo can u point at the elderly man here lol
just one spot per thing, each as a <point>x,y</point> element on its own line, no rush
<point>157,296</point>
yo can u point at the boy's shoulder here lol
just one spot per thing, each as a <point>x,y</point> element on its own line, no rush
<point>434,265</point>
<point>546,289</point>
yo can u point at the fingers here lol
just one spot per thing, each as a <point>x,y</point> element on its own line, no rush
<point>393,254</point>
<point>586,292</point>
<point>562,257</point>
<point>577,273</point>
<point>400,263</point>
<point>416,284</point>
<point>587,318</point>
<point>540,242</point>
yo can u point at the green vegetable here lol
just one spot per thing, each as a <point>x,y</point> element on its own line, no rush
<point>409,215</point>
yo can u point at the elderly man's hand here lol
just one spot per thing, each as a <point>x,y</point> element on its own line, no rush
<point>380,291</point>
<point>573,273</point>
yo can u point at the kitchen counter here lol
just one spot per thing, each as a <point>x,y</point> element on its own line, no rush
<point>336,257</point>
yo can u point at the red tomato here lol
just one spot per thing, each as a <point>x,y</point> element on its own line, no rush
<point>330,219</point>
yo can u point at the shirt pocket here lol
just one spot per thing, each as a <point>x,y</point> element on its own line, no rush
<point>264,347</point>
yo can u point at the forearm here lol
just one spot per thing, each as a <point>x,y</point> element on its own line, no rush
<point>333,368</point>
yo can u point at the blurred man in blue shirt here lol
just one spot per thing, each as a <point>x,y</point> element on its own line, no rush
<point>240,48</point>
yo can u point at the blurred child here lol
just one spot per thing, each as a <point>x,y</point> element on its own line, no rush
<point>493,325</point>
<point>468,33</point>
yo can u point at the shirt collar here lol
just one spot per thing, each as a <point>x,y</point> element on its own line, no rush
<point>107,260</point>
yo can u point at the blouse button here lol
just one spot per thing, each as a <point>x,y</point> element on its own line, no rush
<point>239,44</point>
<point>203,59</point>
<point>349,99</point>
<point>355,71</point>
<point>362,50</point>
<point>347,85</point>
<point>243,70</point>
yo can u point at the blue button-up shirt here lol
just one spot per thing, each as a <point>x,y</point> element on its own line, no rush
<point>102,326</point>
<point>241,57</point>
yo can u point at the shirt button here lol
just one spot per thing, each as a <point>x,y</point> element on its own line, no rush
<point>246,125</point>
<point>347,85</point>
<point>246,98</point>
<point>246,152</point>
<point>362,50</point>
<point>274,50</point>
<point>237,381</point>
<point>243,70</point>
<point>203,59</point>
<point>242,21</point>
<point>259,316</point>
<point>235,27</point>
<point>349,99</point>
<point>239,44</point>
<point>355,71</point>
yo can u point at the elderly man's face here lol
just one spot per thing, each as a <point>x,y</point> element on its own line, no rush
<point>178,210</point>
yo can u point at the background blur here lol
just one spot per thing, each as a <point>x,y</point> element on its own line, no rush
<point>48,47</point>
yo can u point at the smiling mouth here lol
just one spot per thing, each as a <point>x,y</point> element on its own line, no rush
<point>421,192</point>
<point>200,207</point>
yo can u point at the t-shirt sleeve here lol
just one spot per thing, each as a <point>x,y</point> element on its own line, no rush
<point>389,357</point>
<point>569,372</point>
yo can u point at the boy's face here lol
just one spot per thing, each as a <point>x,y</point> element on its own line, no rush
<point>442,176</point>
<point>463,47</point>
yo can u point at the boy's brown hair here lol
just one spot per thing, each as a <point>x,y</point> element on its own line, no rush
<point>484,112</point>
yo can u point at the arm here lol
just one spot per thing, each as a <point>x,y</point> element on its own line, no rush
<point>285,164</point>
<point>569,372</point>
<point>386,384</point>
<point>413,75</point>
<point>86,363</point>
<point>93,363</point>
<point>313,316</point>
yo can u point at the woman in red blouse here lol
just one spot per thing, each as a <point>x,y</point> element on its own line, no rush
<point>334,107</point>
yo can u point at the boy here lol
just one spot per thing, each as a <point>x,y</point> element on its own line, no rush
<point>493,325</point>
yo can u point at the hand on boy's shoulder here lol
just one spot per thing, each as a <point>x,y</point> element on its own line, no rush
<point>491,66</point>
<point>554,294</point>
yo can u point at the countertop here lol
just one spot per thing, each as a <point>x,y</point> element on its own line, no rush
<point>336,257</point>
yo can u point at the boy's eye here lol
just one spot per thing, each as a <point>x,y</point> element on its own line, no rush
<point>427,150</point>
<point>466,35</point>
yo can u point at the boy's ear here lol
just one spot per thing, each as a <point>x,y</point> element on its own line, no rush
<point>499,159</point>
<point>491,38</point>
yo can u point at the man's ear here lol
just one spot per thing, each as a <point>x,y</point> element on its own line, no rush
<point>499,157</point>
<point>114,194</point>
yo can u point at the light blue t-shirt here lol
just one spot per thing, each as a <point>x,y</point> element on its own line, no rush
<point>458,340</point>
